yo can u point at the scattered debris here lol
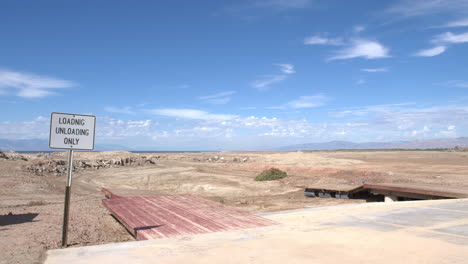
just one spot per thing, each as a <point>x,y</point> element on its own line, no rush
<point>60,166</point>
<point>11,155</point>
<point>221,159</point>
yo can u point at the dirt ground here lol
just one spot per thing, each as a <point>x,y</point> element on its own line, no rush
<point>31,202</point>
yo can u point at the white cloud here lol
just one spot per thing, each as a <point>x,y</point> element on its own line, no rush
<point>305,101</point>
<point>191,114</point>
<point>449,37</point>
<point>124,110</point>
<point>359,28</point>
<point>457,23</point>
<point>367,49</point>
<point>443,40</point>
<point>221,94</point>
<point>30,85</point>
<point>367,123</point>
<point>219,98</point>
<point>139,123</point>
<point>110,128</point>
<point>375,70</point>
<point>308,101</point>
<point>264,84</point>
<point>431,52</point>
<point>248,108</point>
<point>286,68</point>
<point>318,40</point>
<point>36,128</point>
<point>423,131</point>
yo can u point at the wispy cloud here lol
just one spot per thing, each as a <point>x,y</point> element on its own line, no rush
<point>360,48</point>
<point>30,85</point>
<point>248,108</point>
<point>449,37</point>
<point>111,128</point>
<point>264,84</point>
<point>286,68</point>
<point>280,4</point>
<point>413,8</point>
<point>305,101</point>
<point>123,110</point>
<point>249,10</point>
<point>359,28</point>
<point>308,101</point>
<point>219,98</point>
<point>375,70</point>
<point>431,52</point>
<point>456,23</point>
<point>443,40</point>
<point>190,114</point>
<point>457,83</point>
<point>319,40</point>
<point>361,82</point>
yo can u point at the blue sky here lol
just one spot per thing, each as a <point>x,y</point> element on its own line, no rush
<point>236,75</point>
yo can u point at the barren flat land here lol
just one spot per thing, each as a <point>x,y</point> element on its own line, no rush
<point>32,186</point>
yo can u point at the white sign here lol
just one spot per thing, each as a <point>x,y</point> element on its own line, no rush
<point>70,131</point>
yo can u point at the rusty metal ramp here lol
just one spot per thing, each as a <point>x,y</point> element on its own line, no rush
<point>165,216</point>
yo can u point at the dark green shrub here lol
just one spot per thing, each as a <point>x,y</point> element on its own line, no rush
<point>271,175</point>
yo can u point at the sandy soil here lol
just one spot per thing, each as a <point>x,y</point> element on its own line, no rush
<point>35,202</point>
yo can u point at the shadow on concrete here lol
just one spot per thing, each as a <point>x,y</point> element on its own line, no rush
<point>147,227</point>
<point>14,219</point>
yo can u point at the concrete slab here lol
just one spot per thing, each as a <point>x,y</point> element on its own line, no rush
<point>461,230</point>
<point>378,232</point>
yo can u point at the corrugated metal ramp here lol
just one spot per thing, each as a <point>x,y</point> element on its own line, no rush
<point>164,216</point>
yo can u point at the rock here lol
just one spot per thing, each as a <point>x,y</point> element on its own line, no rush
<point>11,155</point>
<point>150,160</point>
<point>3,155</point>
<point>60,166</point>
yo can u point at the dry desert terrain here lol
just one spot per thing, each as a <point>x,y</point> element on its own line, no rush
<point>32,186</point>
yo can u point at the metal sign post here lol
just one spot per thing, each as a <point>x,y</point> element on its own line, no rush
<point>67,198</point>
<point>71,132</point>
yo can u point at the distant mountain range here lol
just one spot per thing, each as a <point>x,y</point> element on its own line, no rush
<point>414,144</point>
<point>43,145</point>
